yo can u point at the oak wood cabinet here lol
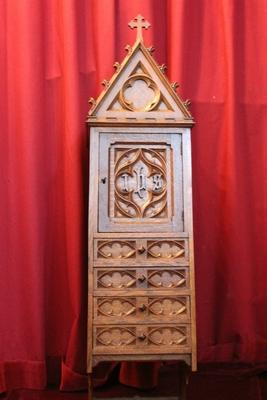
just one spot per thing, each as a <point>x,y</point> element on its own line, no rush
<point>141,300</point>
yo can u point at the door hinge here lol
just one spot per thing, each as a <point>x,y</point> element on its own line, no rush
<point>181,148</point>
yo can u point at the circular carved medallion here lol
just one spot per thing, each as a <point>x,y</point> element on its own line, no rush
<point>139,93</point>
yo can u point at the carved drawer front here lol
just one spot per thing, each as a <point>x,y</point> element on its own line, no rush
<point>115,250</point>
<point>141,278</point>
<point>141,309</point>
<point>140,176</point>
<point>127,339</point>
<point>147,250</point>
<point>167,249</point>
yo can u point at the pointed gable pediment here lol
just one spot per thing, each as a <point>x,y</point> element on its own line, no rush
<point>139,92</point>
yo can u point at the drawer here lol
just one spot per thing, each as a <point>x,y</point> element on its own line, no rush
<point>111,279</point>
<point>141,309</point>
<point>149,250</point>
<point>134,339</point>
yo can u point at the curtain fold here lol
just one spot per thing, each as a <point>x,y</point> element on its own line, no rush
<point>54,54</point>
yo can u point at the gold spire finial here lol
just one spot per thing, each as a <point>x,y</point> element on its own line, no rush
<point>139,22</point>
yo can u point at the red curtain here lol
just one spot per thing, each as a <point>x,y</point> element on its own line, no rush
<point>54,54</point>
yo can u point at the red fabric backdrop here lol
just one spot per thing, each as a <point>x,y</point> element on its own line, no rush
<point>53,55</point>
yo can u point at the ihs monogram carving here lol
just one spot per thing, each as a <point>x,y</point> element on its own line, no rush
<point>140,183</point>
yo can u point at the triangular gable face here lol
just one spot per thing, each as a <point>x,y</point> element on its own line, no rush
<point>140,81</point>
<point>139,91</point>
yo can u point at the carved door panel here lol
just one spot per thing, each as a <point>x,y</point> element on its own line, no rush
<point>140,185</point>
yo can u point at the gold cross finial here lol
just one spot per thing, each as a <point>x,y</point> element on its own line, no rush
<point>139,23</point>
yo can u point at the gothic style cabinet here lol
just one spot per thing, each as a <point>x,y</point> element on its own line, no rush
<point>141,269</point>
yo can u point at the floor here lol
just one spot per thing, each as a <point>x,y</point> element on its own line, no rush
<point>211,382</point>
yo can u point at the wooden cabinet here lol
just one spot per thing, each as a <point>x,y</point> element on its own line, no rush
<point>141,300</point>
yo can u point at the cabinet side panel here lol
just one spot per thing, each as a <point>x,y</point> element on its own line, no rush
<point>188,221</point>
<point>92,226</point>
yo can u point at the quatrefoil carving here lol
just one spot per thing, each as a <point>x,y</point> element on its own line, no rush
<point>170,336</point>
<point>115,336</point>
<point>167,279</point>
<point>166,249</point>
<point>117,279</point>
<point>116,249</point>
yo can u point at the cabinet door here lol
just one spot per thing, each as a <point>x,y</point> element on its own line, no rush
<point>140,184</point>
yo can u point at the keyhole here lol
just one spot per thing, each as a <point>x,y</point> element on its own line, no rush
<point>103,180</point>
